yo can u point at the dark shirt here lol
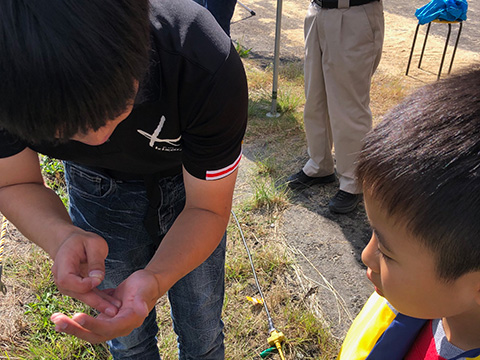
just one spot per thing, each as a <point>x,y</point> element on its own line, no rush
<point>191,109</point>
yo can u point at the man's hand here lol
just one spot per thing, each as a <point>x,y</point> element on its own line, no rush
<point>79,268</point>
<point>137,294</point>
<point>193,237</point>
<point>41,216</point>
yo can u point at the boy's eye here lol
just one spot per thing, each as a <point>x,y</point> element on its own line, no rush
<point>382,254</point>
<point>386,257</point>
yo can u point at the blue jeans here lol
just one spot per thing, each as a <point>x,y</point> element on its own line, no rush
<point>222,11</point>
<point>115,210</point>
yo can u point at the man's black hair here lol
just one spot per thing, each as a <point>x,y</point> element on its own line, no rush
<point>68,66</point>
<point>422,162</point>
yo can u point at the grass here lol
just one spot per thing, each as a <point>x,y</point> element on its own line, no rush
<point>37,338</point>
<point>53,174</point>
<point>268,192</point>
<point>247,324</point>
<point>242,51</point>
<point>281,148</point>
<point>45,342</point>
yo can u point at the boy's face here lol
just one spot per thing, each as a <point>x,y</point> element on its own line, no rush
<point>403,270</point>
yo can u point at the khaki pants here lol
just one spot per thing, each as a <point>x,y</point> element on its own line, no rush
<point>342,50</point>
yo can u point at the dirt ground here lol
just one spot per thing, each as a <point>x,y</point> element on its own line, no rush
<point>328,247</point>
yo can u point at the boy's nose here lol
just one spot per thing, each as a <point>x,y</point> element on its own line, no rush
<point>370,256</point>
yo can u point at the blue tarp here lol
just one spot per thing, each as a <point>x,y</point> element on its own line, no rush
<point>449,10</point>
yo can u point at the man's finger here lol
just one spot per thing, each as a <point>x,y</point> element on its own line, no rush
<point>107,295</point>
<point>95,330</point>
<point>66,325</point>
<point>109,328</point>
<point>96,250</point>
<point>98,300</point>
<point>72,282</point>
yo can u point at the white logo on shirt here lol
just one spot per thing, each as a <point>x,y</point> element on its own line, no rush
<point>154,137</point>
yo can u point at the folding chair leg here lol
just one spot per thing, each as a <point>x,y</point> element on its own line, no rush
<point>455,48</point>
<point>445,48</point>
<point>413,47</point>
<point>444,51</point>
<point>424,45</point>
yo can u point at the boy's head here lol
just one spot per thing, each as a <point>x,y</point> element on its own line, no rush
<point>420,170</point>
<point>69,66</point>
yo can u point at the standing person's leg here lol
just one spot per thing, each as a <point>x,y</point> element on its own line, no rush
<point>315,115</point>
<point>353,49</point>
<point>319,167</point>
<point>201,2</point>
<point>222,10</point>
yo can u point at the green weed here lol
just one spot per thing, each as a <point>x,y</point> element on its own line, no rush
<point>51,167</point>
<point>288,101</point>
<point>44,342</point>
<point>54,176</point>
<point>268,194</point>
<point>267,166</point>
<point>242,51</point>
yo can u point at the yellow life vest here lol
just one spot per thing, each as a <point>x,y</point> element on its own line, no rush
<point>379,332</point>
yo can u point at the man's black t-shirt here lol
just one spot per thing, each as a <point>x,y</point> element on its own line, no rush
<point>191,109</point>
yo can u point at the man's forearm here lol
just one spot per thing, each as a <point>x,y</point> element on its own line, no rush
<point>192,239</point>
<point>38,213</point>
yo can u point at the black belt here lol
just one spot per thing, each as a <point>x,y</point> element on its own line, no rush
<point>333,4</point>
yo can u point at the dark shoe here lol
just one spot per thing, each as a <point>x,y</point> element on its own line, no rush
<point>302,180</point>
<point>344,202</point>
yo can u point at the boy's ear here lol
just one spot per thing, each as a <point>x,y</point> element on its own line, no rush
<point>477,285</point>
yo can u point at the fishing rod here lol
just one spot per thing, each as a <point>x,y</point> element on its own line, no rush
<point>3,288</point>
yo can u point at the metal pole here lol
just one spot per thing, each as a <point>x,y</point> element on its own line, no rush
<point>276,57</point>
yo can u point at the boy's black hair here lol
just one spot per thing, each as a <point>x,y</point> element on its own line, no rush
<point>68,66</point>
<point>422,162</point>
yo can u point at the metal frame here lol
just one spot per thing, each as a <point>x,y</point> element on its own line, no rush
<point>449,23</point>
<point>247,8</point>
